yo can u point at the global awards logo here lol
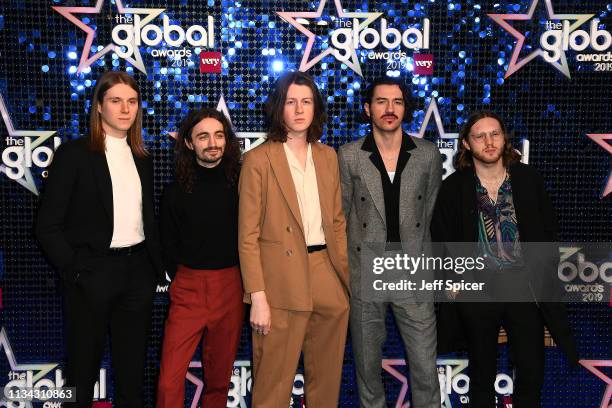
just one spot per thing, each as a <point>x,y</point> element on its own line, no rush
<point>356,31</point>
<point>134,28</point>
<point>241,386</point>
<point>586,272</point>
<point>23,150</point>
<point>34,376</point>
<point>454,383</point>
<point>562,33</point>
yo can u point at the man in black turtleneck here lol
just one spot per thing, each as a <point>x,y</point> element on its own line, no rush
<point>200,238</point>
<point>200,228</point>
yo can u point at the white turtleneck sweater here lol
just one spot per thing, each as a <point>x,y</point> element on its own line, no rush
<point>127,194</point>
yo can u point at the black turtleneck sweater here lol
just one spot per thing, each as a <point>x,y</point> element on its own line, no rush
<point>200,229</point>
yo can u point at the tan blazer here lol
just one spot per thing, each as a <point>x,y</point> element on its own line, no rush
<point>273,255</point>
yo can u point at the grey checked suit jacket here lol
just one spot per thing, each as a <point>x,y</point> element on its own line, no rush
<point>363,201</point>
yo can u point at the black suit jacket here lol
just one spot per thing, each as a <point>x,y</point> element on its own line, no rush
<point>75,216</point>
<point>455,220</point>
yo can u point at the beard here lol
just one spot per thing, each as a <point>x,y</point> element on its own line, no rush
<point>486,158</point>
<point>205,157</point>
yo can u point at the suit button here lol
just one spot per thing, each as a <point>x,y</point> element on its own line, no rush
<point>289,229</point>
<point>358,249</point>
<point>289,252</point>
<point>362,198</point>
<point>420,197</point>
<point>418,224</point>
<point>365,225</point>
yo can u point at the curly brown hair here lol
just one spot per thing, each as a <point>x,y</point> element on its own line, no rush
<point>464,159</point>
<point>275,107</point>
<point>185,158</point>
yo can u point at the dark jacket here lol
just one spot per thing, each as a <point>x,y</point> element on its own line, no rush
<point>75,216</point>
<point>455,220</point>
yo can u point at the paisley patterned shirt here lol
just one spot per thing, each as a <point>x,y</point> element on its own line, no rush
<point>498,234</point>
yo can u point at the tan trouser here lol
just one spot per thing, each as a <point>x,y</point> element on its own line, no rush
<point>320,334</point>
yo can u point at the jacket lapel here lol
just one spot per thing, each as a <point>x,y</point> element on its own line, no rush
<point>282,173</point>
<point>141,168</point>
<point>468,203</point>
<point>405,178</point>
<point>518,196</point>
<point>370,165</point>
<point>103,181</point>
<point>371,177</point>
<point>321,170</point>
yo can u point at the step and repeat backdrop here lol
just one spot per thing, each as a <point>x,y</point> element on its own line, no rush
<point>544,65</point>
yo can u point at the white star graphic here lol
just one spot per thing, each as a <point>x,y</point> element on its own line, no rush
<point>352,61</point>
<point>259,137</point>
<point>515,64</point>
<point>86,61</point>
<point>432,109</point>
<point>452,367</point>
<point>41,369</point>
<point>251,139</point>
<point>26,180</point>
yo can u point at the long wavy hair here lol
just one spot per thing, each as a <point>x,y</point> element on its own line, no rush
<point>464,158</point>
<point>96,132</point>
<point>185,158</point>
<point>275,107</point>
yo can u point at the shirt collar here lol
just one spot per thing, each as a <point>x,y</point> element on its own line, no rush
<point>115,143</point>
<point>293,161</point>
<point>369,144</point>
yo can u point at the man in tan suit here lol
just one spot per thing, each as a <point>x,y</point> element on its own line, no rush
<point>293,255</point>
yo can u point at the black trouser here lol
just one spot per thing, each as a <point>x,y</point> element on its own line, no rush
<point>525,328</point>
<point>111,291</point>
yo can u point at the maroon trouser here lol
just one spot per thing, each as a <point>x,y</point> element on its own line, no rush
<point>204,305</point>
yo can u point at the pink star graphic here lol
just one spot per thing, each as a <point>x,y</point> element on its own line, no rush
<point>293,17</point>
<point>86,61</point>
<point>198,383</point>
<point>590,365</point>
<point>387,365</point>
<point>515,64</point>
<point>600,139</point>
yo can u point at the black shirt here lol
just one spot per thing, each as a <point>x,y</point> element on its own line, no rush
<point>200,229</point>
<point>391,190</point>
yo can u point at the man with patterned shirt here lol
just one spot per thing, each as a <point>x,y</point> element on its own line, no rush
<point>498,203</point>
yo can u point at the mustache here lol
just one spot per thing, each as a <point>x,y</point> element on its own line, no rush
<point>389,115</point>
<point>210,149</point>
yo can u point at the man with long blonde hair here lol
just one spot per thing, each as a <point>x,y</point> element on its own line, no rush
<point>96,225</point>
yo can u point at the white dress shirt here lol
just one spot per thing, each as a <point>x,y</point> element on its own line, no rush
<point>127,194</point>
<point>305,181</point>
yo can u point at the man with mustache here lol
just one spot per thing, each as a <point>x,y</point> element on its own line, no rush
<point>199,220</point>
<point>389,186</point>
<point>500,204</point>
